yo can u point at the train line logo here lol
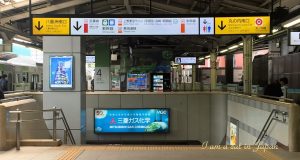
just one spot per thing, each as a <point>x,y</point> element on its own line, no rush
<point>108,22</point>
<point>258,21</point>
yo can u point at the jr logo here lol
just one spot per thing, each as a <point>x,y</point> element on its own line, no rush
<point>162,112</point>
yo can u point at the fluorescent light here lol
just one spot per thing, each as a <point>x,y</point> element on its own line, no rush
<point>207,56</point>
<point>241,43</point>
<point>292,23</point>
<point>261,36</point>
<point>275,30</point>
<point>21,40</point>
<point>233,47</point>
<point>201,58</point>
<point>224,50</point>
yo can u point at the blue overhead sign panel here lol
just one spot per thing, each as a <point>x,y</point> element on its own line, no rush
<point>132,120</point>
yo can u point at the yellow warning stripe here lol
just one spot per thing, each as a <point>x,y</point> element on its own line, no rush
<point>267,155</point>
<point>71,154</point>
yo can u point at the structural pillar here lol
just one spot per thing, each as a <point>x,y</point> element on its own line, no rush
<point>71,101</point>
<point>213,70</point>
<point>247,64</point>
<point>102,80</point>
<point>194,77</point>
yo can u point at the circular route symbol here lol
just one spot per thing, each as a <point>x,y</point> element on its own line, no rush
<point>258,21</point>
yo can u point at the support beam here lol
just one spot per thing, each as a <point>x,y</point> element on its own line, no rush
<point>237,8</point>
<point>168,2</point>
<point>51,8</point>
<point>128,7</point>
<point>265,3</point>
<point>171,8</point>
<point>245,6</point>
<point>193,5</point>
<point>213,70</point>
<point>20,5</point>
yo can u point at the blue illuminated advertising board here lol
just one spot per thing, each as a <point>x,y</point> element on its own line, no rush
<point>61,72</point>
<point>132,120</point>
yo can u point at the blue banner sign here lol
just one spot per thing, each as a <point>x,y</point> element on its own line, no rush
<point>61,72</point>
<point>132,120</point>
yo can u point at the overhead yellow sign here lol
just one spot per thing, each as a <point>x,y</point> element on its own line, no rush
<point>50,26</point>
<point>242,25</point>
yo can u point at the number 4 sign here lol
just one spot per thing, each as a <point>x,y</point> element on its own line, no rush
<point>102,78</point>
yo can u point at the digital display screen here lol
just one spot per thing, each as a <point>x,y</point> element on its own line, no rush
<point>135,26</point>
<point>185,60</point>
<point>61,72</point>
<point>129,120</point>
<point>137,81</point>
<point>294,38</point>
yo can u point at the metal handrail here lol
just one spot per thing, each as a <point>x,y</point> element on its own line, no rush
<point>268,123</point>
<point>54,119</point>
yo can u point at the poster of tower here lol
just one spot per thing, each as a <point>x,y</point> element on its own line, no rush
<point>61,72</point>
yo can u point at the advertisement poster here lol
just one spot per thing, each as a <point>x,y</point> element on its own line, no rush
<point>233,134</point>
<point>132,120</point>
<point>61,72</point>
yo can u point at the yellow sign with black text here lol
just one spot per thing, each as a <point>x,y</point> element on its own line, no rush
<point>50,26</point>
<point>242,25</point>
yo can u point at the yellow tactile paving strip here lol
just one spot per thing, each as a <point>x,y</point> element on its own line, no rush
<point>73,152</point>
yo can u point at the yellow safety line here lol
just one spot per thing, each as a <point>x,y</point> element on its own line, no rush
<point>267,155</point>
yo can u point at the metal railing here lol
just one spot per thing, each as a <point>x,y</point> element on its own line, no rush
<point>272,117</point>
<point>55,117</point>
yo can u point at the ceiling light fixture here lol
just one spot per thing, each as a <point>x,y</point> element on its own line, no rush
<point>224,50</point>
<point>292,22</point>
<point>233,47</point>
<point>261,36</point>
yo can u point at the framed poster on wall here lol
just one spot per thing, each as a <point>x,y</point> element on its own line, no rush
<point>61,72</point>
<point>132,120</point>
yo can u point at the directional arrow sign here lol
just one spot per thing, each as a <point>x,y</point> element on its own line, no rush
<point>50,26</point>
<point>242,25</point>
<point>77,27</point>
<point>222,26</point>
<point>39,27</point>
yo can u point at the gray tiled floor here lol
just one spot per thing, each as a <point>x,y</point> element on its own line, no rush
<point>104,152</point>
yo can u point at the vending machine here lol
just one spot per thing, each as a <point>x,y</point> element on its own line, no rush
<point>160,82</point>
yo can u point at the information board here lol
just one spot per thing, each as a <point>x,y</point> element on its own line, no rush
<point>135,26</point>
<point>242,25</point>
<point>185,60</point>
<point>61,72</point>
<point>146,120</point>
<point>136,82</point>
<point>50,26</point>
<point>207,25</point>
<point>294,38</point>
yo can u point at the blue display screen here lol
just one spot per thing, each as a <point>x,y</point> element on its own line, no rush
<point>61,74</point>
<point>132,120</point>
<point>137,81</point>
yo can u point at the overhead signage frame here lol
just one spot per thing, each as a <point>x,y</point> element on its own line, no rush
<point>149,25</point>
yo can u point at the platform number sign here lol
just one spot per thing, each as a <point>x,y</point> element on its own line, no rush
<point>102,78</point>
<point>99,72</point>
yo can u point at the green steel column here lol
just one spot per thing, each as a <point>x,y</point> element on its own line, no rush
<point>213,70</point>
<point>194,77</point>
<point>247,64</point>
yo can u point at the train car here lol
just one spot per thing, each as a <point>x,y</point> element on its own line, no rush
<point>22,78</point>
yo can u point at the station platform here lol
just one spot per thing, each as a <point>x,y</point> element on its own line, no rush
<point>145,152</point>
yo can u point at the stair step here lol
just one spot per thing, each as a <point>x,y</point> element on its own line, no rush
<point>41,142</point>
